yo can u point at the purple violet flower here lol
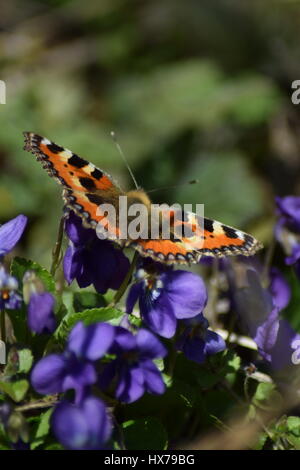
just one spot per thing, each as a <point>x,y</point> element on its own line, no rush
<point>259,311</point>
<point>73,369</point>
<point>82,426</point>
<point>165,296</point>
<point>197,341</point>
<point>289,211</point>
<point>133,371</point>
<point>10,233</point>
<point>90,260</point>
<point>41,318</point>
<point>287,229</point>
<point>277,342</point>
<point>279,289</point>
<point>9,298</point>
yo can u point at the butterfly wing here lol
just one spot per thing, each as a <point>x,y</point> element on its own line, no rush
<point>193,236</point>
<point>85,186</point>
<point>216,239</point>
<point>86,205</point>
<point>66,167</point>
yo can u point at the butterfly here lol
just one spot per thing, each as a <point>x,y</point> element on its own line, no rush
<point>86,187</point>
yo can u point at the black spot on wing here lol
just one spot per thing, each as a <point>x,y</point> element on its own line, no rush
<point>94,198</point>
<point>208,225</point>
<point>229,232</point>
<point>87,183</point>
<point>96,173</point>
<point>55,148</point>
<point>76,161</point>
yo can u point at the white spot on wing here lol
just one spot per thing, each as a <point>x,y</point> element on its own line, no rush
<point>218,229</point>
<point>66,153</point>
<point>239,234</point>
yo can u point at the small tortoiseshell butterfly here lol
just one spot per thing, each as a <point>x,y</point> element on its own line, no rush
<point>85,187</point>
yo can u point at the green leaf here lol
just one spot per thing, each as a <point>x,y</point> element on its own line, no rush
<point>54,446</point>
<point>293,425</point>
<point>263,391</point>
<point>42,429</point>
<point>15,390</point>
<point>266,396</point>
<point>87,300</point>
<point>89,316</point>
<point>294,441</point>
<point>20,265</point>
<point>25,360</point>
<point>145,434</point>
<point>262,439</point>
<point>234,362</point>
<point>4,444</point>
<point>44,425</point>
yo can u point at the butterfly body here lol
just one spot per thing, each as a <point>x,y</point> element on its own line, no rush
<point>86,188</point>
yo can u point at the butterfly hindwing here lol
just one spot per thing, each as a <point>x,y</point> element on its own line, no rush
<point>86,205</point>
<point>194,237</point>
<point>213,238</point>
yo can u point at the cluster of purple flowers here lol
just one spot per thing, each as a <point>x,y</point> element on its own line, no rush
<point>40,303</point>
<point>121,362</point>
<point>259,309</point>
<point>84,422</point>
<point>110,358</point>
<point>165,296</point>
<point>263,296</point>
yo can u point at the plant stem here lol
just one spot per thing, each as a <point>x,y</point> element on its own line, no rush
<point>34,405</point>
<point>57,248</point>
<point>119,294</point>
<point>2,326</point>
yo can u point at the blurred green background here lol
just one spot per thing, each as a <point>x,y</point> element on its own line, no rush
<point>193,89</point>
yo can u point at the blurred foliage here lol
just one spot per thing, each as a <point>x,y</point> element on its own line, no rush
<point>192,90</point>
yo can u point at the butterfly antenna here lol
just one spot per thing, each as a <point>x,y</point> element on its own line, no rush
<point>113,135</point>
<point>174,186</point>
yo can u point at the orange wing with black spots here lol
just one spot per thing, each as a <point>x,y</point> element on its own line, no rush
<point>193,236</point>
<point>66,167</point>
<point>85,186</point>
